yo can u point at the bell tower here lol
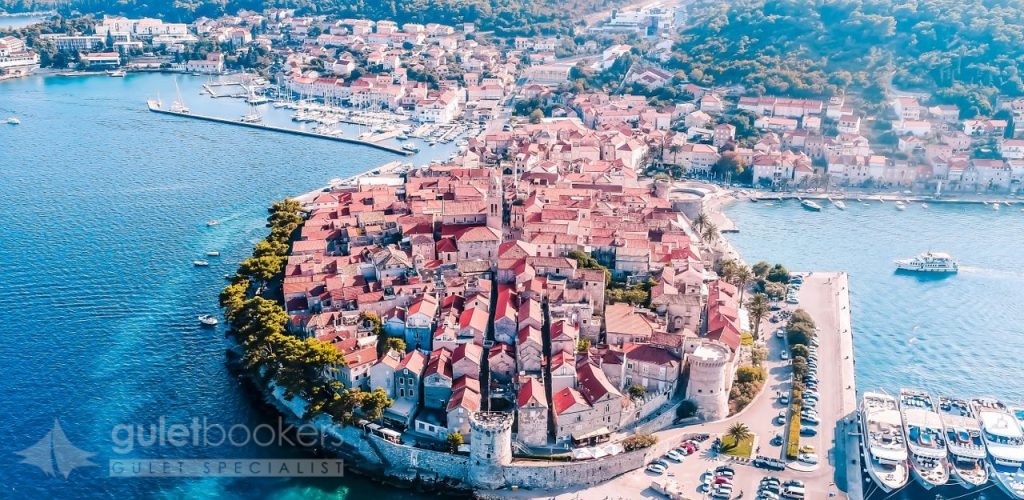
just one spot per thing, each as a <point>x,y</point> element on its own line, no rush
<point>495,202</point>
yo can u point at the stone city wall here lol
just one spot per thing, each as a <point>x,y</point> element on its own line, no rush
<point>568,474</point>
<point>406,462</point>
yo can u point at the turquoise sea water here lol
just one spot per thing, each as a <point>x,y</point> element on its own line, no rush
<point>103,207</point>
<point>959,335</point>
<point>19,21</point>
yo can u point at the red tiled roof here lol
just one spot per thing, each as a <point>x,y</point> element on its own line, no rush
<point>532,391</point>
<point>566,399</point>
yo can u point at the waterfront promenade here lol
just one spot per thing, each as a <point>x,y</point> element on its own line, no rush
<point>156,108</point>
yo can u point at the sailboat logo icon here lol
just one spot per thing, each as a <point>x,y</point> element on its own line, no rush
<point>55,450</point>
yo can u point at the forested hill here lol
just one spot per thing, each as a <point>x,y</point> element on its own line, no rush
<point>505,17</point>
<point>967,50</point>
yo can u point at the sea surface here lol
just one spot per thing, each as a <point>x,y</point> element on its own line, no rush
<point>15,21</point>
<point>104,207</point>
<point>959,335</point>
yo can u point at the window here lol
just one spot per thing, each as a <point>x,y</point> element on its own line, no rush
<point>401,381</point>
<point>401,393</point>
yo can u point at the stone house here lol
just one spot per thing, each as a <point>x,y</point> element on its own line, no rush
<point>437,379</point>
<point>529,350</point>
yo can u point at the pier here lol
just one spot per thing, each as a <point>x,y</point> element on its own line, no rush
<point>156,108</point>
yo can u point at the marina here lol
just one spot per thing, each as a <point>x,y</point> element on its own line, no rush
<point>156,107</point>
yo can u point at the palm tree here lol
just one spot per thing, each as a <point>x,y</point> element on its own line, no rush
<point>700,221</point>
<point>742,277</point>
<point>738,432</point>
<point>757,308</point>
<point>709,232</point>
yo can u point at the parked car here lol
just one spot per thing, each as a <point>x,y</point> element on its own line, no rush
<point>784,399</point>
<point>777,440</point>
<point>779,419</point>
<point>809,420</point>
<point>656,469</point>
<point>674,455</point>
<point>808,458</point>
<point>661,463</point>
<point>808,431</point>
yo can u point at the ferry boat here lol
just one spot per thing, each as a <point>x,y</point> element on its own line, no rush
<point>964,443</point>
<point>810,205</point>
<point>882,438</point>
<point>923,429</point>
<point>200,263</point>
<point>208,320</point>
<point>12,121</point>
<point>929,262</point>
<point>1004,440</point>
<point>410,147</point>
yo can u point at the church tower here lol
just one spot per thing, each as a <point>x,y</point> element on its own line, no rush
<point>495,202</point>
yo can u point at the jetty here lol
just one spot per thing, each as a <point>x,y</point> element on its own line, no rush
<point>156,107</point>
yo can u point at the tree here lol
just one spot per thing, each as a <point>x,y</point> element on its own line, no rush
<point>710,233</point>
<point>536,116</point>
<point>729,166</point>
<point>778,274</point>
<point>638,441</point>
<point>395,343</point>
<point>455,440</point>
<point>583,345</point>
<point>687,409</point>
<point>700,221</point>
<point>742,278</point>
<point>776,291</point>
<point>738,432</point>
<point>761,269</point>
<point>757,308</point>
<point>637,391</point>
<point>750,374</point>
<point>373,403</point>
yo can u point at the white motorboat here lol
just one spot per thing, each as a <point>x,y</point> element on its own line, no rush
<point>208,320</point>
<point>810,205</point>
<point>12,121</point>
<point>410,147</point>
<point>200,263</point>
<point>900,205</point>
<point>923,429</point>
<point>839,204</point>
<point>213,253</point>
<point>885,448</point>
<point>117,73</point>
<point>964,443</point>
<point>1004,440</point>
<point>929,262</point>
<point>212,222</point>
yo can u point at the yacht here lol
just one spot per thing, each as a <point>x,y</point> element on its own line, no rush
<point>178,106</point>
<point>810,205</point>
<point>839,204</point>
<point>1004,440</point>
<point>200,263</point>
<point>885,449</point>
<point>925,441</point>
<point>410,147</point>
<point>208,320</point>
<point>929,262</point>
<point>900,205</point>
<point>963,441</point>
<point>12,121</point>
<point>252,117</point>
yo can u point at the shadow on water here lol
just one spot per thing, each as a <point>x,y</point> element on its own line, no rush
<point>924,277</point>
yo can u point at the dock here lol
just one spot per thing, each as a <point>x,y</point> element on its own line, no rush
<point>156,108</point>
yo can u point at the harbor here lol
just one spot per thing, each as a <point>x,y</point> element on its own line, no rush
<point>156,107</point>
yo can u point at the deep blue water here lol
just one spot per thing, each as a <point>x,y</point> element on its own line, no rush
<point>103,210</point>
<point>959,335</point>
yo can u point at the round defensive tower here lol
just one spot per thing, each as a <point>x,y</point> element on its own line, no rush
<point>490,448</point>
<point>709,380</point>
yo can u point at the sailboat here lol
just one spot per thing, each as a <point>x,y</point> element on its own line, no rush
<point>178,106</point>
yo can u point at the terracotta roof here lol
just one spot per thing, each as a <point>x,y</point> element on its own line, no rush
<point>470,351</point>
<point>465,398</point>
<point>528,333</point>
<point>647,353</point>
<point>466,381</point>
<point>594,385</point>
<point>620,318</point>
<point>440,362</point>
<point>415,361</point>
<point>478,233</point>
<point>474,318</point>
<point>500,347</point>
<point>532,392</point>
<point>562,358</point>
<point>566,399</point>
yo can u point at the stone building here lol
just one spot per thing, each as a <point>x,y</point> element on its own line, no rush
<point>532,413</point>
<point>710,378</point>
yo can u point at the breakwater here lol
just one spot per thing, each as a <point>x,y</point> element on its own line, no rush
<point>154,107</point>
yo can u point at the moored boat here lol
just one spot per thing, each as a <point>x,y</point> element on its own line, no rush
<point>929,262</point>
<point>213,253</point>
<point>410,147</point>
<point>208,320</point>
<point>839,204</point>
<point>1004,440</point>
<point>200,263</point>
<point>900,205</point>
<point>810,205</point>
<point>885,448</point>
<point>922,427</point>
<point>964,443</point>
<point>212,222</point>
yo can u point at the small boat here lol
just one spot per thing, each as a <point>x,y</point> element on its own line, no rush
<point>995,206</point>
<point>810,205</point>
<point>207,320</point>
<point>117,73</point>
<point>924,205</point>
<point>12,121</point>
<point>839,204</point>
<point>212,222</point>
<point>900,206</point>
<point>402,137</point>
<point>253,117</point>
<point>200,263</point>
<point>213,253</point>
<point>410,147</point>
<point>860,199</point>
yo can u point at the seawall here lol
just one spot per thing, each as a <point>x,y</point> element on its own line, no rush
<point>273,128</point>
